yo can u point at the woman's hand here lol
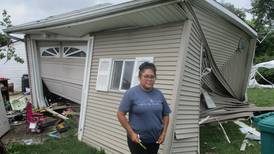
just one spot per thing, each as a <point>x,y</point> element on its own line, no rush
<point>124,122</point>
<point>161,139</point>
<point>134,137</point>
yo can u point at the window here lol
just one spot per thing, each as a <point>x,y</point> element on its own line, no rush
<point>119,75</point>
<point>122,74</point>
<point>50,51</point>
<point>74,51</point>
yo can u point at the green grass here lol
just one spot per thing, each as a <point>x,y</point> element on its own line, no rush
<point>67,145</point>
<point>213,141</point>
<point>261,97</point>
<point>63,146</point>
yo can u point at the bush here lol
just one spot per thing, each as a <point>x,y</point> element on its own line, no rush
<point>262,58</point>
<point>267,74</point>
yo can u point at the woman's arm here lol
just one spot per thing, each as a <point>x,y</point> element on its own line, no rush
<point>124,122</point>
<point>163,134</point>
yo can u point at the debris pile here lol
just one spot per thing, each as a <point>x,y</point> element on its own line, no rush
<point>33,126</point>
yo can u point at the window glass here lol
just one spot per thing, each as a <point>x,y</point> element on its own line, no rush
<point>78,54</point>
<point>69,50</point>
<point>52,51</point>
<point>74,52</point>
<point>116,75</point>
<point>49,52</point>
<point>127,76</point>
<point>46,54</point>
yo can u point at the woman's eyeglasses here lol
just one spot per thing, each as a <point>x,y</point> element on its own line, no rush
<point>149,77</point>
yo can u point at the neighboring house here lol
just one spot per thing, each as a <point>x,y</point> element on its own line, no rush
<point>4,122</point>
<point>203,55</point>
<point>14,70</point>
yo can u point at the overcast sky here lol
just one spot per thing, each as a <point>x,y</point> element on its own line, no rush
<point>23,11</point>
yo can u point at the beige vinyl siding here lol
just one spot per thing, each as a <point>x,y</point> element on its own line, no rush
<point>188,109</point>
<point>189,146</point>
<point>102,128</point>
<point>223,38</point>
<point>221,35</point>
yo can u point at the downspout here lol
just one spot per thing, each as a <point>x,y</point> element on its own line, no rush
<point>28,64</point>
<point>84,97</point>
<point>35,80</point>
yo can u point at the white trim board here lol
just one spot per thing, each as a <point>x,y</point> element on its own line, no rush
<point>85,88</point>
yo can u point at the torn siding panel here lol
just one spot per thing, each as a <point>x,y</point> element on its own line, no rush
<point>187,114</point>
<point>223,39</point>
<point>102,128</point>
<point>236,77</point>
<point>220,34</point>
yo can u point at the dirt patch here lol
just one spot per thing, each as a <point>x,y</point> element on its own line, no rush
<point>20,134</point>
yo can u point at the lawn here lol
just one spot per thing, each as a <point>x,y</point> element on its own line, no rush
<point>66,145</point>
<point>212,139</point>
<point>261,97</point>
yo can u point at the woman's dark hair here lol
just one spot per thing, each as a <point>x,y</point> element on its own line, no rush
<point>147,65</point>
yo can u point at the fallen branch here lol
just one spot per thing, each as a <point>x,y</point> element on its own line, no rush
<point>224,131</point>
<point>56,114</point>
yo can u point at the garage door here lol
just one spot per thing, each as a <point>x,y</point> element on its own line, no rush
<point>62,67</point>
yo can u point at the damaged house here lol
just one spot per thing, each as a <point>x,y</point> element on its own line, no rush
<point>202,51</point>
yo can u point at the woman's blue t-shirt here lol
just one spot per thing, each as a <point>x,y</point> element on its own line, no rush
<point>146,110</point>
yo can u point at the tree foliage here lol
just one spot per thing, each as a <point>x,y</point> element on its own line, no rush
<point>7,51</point>
<point>263,22</point>
<point>239,12</point>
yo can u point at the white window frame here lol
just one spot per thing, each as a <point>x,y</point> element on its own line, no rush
<point>122,74</point>
<point>109,73</point>
<point>80,48</point>
<point>44,49</point>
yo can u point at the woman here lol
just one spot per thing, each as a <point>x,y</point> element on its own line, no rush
<point>148,113</point>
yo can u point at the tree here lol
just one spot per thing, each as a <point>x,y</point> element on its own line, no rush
<point>238,12</point>
<point>263,22</point>
<point>9,52</point>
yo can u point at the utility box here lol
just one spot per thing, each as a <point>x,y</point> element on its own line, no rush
<point>265,123</point>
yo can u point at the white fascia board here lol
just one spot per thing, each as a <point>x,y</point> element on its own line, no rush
<point>80,16</point>
<point>232,18</point>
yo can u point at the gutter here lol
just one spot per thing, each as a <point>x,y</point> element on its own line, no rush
<point>231,17</point>
<point>82,15</point>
